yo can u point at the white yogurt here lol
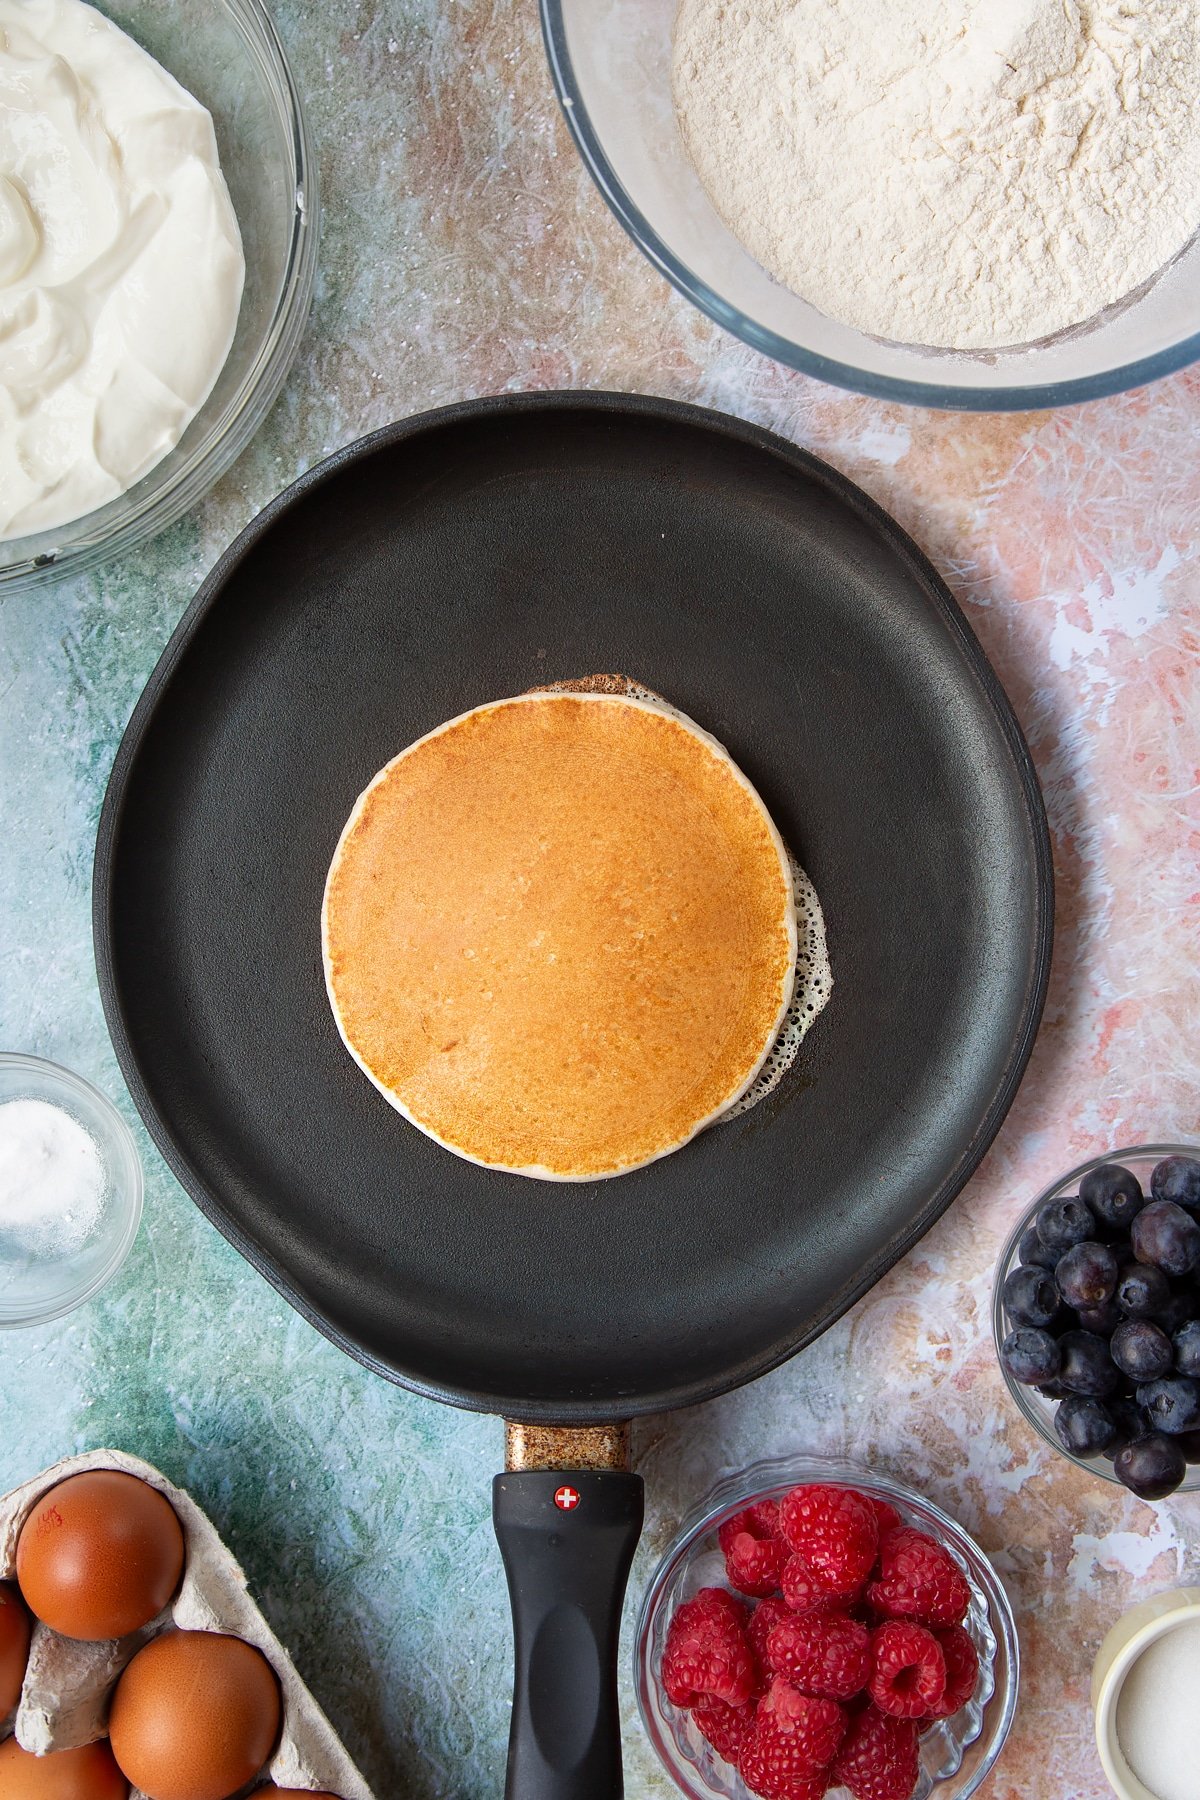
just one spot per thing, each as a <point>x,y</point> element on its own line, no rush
<point>121,266</point>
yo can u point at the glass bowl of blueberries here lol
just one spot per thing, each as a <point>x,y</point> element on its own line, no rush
<point>1096,1311</point>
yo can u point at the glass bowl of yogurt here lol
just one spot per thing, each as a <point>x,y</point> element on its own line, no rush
<point>862,209</point>
<point>147,323</point>
<point>70,1191</point>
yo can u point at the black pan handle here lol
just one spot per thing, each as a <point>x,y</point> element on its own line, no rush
<point>567,1538</point>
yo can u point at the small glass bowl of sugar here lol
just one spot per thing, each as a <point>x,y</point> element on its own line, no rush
<point>70,1191</point>
<point>1144,1686</point>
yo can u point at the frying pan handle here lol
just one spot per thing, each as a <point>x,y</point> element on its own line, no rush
<point>567,1538</point>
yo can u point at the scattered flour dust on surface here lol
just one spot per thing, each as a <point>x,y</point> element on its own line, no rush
<point>966,174</point>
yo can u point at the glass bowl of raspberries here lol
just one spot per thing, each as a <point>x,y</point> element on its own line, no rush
<point>818,1629</point>
<point>1096,1311</point>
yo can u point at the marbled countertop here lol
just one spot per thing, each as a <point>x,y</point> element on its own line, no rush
<point>465,252</point>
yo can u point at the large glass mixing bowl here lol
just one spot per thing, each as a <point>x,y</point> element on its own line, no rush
<point>611,63</point>
<point>226,53</point>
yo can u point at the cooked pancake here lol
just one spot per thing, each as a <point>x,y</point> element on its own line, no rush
<point>559,933</point>
<point>814,977</point>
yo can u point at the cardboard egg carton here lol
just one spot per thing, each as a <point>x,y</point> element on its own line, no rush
<point>68,1684</point>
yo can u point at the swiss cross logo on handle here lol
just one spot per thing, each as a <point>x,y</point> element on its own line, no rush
<point>567,1499</point>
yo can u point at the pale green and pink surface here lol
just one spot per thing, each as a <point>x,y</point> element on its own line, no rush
<point>465,252</point>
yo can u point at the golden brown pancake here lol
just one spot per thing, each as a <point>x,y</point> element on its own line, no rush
<point>559,933</point>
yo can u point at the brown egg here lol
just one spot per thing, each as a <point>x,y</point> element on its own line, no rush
<point>87,1774</point>
<point>15,1627</point>
<point>100,1555</point>
<point>195,1716</point>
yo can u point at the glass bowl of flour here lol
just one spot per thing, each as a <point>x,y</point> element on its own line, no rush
<point>985,206</point>
<point>70,1191</point>
<point>228,57</point>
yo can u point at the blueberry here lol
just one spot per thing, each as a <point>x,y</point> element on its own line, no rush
<point>1168,1237</point>
<point>1141,1350</point>
<point>1189,1443</point>
<point>1061,1223</point>
<point>1176,1311</point>
<point>1114,1195</point>
<point>1187,1348</point>
<point>1141,1290</point>
<point>1177,1178</point>
<point>1084,1425</point>
<point>1086,1275</point>
<point>1032,1250</point>
<point>1030,1297</point>
<point>1029,1355</point>
<point>1129,1422</point>
<point>1151,1467</point>
<point>1051,1390</point>
<point>1103,1320</point>
<point>1086,1366</point>
<point>1173,1405</point>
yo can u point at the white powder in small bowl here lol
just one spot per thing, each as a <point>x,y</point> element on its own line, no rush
<point>1156,1714</point>
<point>52,1181</point>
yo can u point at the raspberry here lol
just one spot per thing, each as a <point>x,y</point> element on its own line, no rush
<point>763,1621</point>
<point>962,1671</point>
<point>909,1678</point>
<point>811,1727</point>
<point>764,1775</point>
<point>886,1516</point>
<point>775,1781</point>
<point>795,1737</point>
<point>726,1727</point>
<point>918,1579</point>
<point>879,1758</point>
<point>708,1652</point>
<point>765,1516</point>
<point>804,1591</point>
<point>822,1653</point>
<point>835,1531</point>
<point>720,1603</point>
<point>754,1553</point>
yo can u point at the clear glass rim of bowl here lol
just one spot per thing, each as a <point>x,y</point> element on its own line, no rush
<point>1023,1397</point>
<point>222,444</point>
<point>127,1179</point>
<point>733,1491</point>
<point>946,396</point>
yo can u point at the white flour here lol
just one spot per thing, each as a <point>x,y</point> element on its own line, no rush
<point>963,173</point>
<point>52,1181</point>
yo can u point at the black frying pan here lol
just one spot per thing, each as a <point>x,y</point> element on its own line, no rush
<point>464,556</point>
